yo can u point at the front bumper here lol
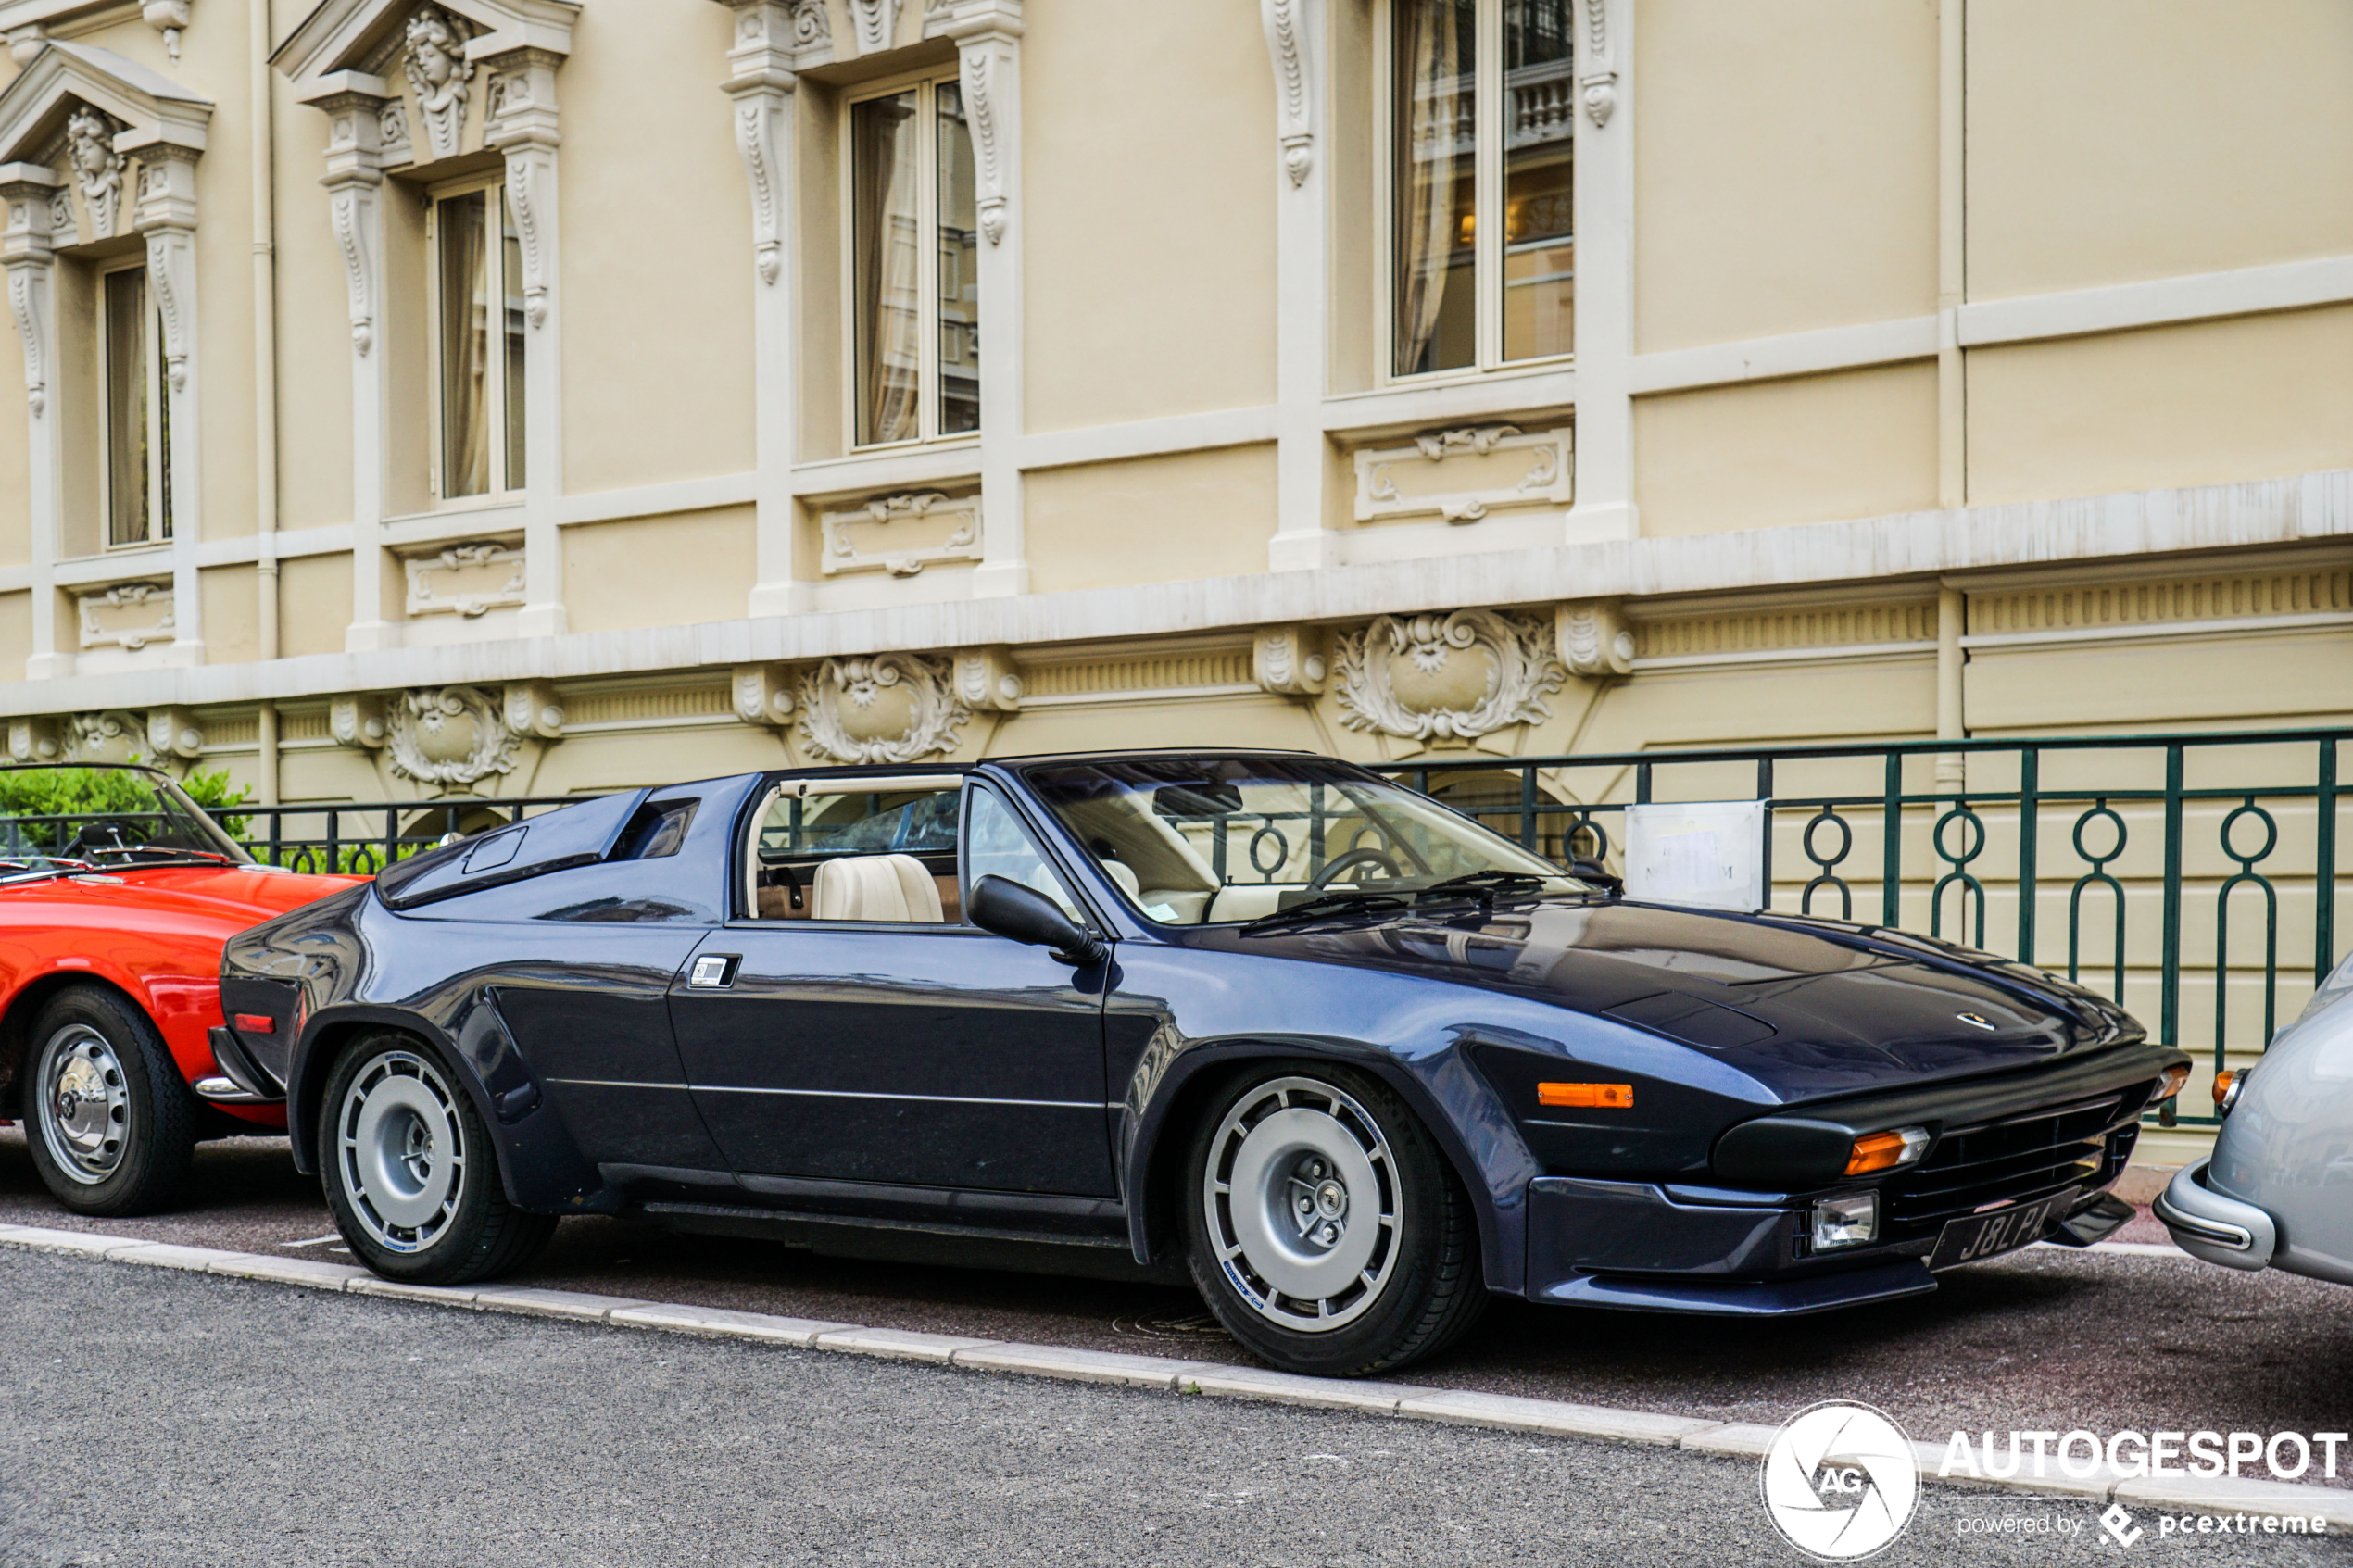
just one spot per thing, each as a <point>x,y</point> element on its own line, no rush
<point>2211,1226</point>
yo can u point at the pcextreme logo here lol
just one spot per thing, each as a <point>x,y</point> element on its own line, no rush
<point>1839,1481</point>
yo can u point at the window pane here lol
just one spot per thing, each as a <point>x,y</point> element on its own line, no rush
<point>465,345</point>
<point>997,845</point>
<point>886,250</point>
<point>1540,118</point>
<point>511,282</point>
<point>959,268</point>
<point>126,392</point>
<point>1436,304</point>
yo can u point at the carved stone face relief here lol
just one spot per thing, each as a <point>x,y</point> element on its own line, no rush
<point>1440,677</point>
<point>98,168</point>
<point>448,736</point>
<point>439,72</point>
<point>891,708</point>
<point>104,737</point>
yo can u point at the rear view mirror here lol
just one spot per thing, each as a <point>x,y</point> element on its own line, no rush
<point>1028,916</point>
<point>1204,799</point>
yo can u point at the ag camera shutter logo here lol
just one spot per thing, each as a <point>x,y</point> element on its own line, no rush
<point>1839,1481</point>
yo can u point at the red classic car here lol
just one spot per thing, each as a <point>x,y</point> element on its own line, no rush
<point>117,892</point>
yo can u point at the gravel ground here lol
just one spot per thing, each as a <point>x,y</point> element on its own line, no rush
<point>2047,1338</point>
<point>155,1417</point>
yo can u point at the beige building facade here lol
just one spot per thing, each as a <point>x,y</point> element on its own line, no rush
<point>512,397</point>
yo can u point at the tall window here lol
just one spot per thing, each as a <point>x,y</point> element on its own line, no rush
<point>914,247</point>
<point>477,345</point>
<point>1482,112</point>
<point>138,452</point>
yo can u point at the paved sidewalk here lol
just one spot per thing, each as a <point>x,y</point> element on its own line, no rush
<point>158,1417</point>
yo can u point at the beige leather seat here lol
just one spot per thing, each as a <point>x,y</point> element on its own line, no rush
<point>1121,873</point>
<point>883,887</point>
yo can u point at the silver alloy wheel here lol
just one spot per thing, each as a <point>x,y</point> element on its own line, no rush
<point>1303,1204</point>
<point>400,1150</point>
<point>84,1104</point>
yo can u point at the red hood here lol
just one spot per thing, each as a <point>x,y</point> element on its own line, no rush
<point>233,897</point>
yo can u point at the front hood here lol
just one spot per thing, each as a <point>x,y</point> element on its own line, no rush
<point>231,898</point>
<point>1811,1007</point>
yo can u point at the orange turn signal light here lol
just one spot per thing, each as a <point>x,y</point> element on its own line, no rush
<point>2222,1082</point>
<point>2170,1085</point>
<point>1885,1151</point>
<point>1590,1097</point>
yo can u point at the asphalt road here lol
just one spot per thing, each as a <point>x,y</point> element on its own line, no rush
<point>2044,1338</point>
<point>156,1417</point>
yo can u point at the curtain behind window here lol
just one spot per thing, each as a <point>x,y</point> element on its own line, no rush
<point>885,251</point>
<point>461,234</point>
<point>126,307</point>
<point>1436,302</point>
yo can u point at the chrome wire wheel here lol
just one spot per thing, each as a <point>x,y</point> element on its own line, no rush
<point>84,1104</point>
<point>400,1150</point>
<point>1303,1204</point>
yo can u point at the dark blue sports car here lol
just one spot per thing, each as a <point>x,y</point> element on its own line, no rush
<point>1355,1061</point>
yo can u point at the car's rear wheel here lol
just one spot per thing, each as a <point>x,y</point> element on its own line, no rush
<point>1325,1229</point>
<point>410,1173</point>
<point>108,1119</point>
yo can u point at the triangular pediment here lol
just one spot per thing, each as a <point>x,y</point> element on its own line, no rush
<point>65,77</point>
<point>363,35</point>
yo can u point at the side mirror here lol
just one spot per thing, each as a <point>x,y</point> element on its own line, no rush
<point>1587,869</point>
<point>1029,916</point>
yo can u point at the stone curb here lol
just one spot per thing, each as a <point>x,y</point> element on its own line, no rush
<point>1411,1401</point>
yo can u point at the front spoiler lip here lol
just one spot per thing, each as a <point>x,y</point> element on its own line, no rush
<point>1790,1296</point>
<point>1807,1146</point>
<point>2212,1225</point>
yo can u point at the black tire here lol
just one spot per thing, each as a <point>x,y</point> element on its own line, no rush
<point>411,1170</point>
<point>1261,1212</point>
<point>110,1121</point>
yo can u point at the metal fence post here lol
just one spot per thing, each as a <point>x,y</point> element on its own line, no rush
<point>2325,865</point>
<point>1765,794</point>
<point>1891,892</point>
<point>2030,762</point>
<point>2169,1008</point>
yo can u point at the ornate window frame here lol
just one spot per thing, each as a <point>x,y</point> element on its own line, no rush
<point>96,149</point>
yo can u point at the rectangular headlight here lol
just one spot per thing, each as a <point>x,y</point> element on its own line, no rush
<point>1849,1221</point>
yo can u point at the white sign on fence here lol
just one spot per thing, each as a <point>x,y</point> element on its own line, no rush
<point>1710,853</point>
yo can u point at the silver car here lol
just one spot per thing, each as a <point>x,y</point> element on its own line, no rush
<point>2278,1192</point>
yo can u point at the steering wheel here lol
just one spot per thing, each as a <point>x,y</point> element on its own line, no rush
<point>1339,863</point>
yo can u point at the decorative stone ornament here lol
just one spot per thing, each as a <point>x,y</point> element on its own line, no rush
<point>169,18</point>
<point>902,534</point>
<point>889,708</point>
<point>127,616</point>
<point>1447,677</point>
<point>533,709</point>
<point>1463,474</point>
<point>1294,89</point>
<point>1596,76</point>
<point>97,168</point>
<point>434,57</point>
<point>989,681</point>
<point>112,736</point>
<point>358,722</point>
<point>173,731</point>
<point>988,35</point>
<point>448,736</point>
<point>876,22</point>
<point>1290,661</point>
<point>35,739</point>
<point>1593,639</point>
<point>763,694</point>
<point>466,580</point>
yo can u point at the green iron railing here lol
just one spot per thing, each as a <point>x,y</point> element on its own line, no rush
<point>2177,864</point>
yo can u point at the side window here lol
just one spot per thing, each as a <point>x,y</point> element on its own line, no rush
<point>997,845</point>
<point>880,850</point>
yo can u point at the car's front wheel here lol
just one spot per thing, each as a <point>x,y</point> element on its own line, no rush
<point>108,1117</point>
<point>410,1173</point>
<point>1325,1229</point>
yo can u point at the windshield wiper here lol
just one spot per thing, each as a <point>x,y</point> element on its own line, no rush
<point>159,853</point>
<point>1359,903</point>
<point>1485,885</point>
<point>14,869</point>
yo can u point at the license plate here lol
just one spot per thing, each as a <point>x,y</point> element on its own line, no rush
<point>1998,1230</point>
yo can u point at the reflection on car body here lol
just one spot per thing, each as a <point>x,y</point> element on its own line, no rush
<point>1351,1060</point>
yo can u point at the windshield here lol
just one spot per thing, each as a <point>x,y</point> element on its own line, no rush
<point>1215,840</point>
<point>71,818</point>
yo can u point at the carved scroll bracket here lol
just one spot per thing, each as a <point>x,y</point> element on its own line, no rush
<point>1294,84</point>
<point>1597,75</point>
<point>988,35</point>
